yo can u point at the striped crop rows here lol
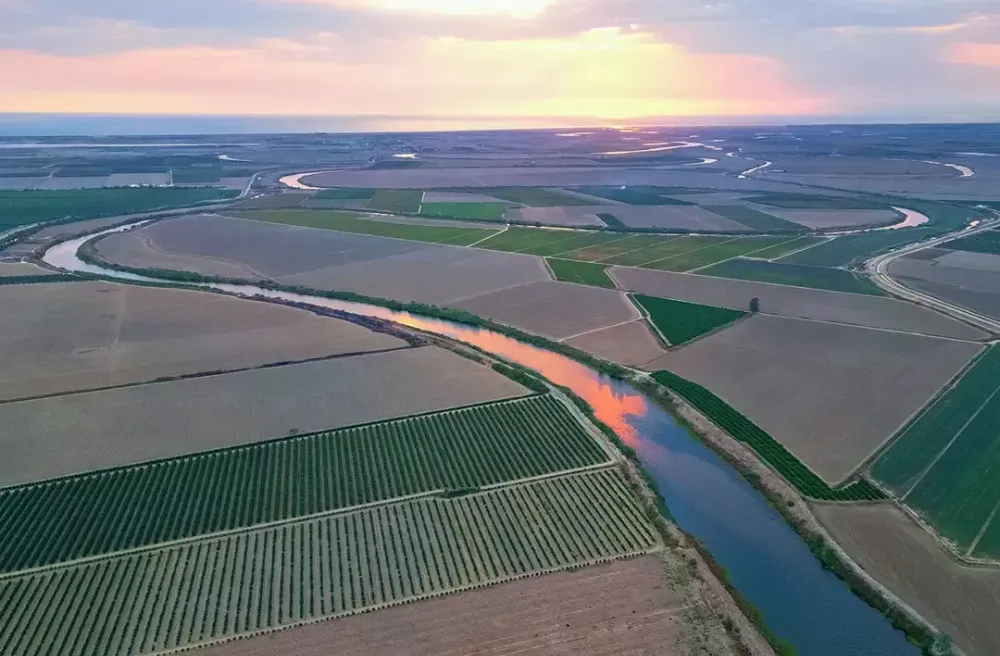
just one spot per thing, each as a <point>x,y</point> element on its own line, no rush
<point>244,582</point>
<point>791,468</point>
<point>459,449</point>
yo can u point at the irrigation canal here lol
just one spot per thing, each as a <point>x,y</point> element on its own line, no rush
<point>768,563</point>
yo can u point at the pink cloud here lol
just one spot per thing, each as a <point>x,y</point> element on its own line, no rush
<point>601,73</point>
<point>977,54</point>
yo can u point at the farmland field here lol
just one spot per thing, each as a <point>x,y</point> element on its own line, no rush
<point>344,194</point>
<point>717,252</point>
<point>279,480</point>
<point>23,207</point>
<point>123,426</point>
<point>396,200</point>
<point>754,219</point>
<point>681,322</point>
<point>744,430</point>
<point>797,275</point>
<point>787,247</point>
<point>641,612</point>
<point>245,582</point>
<point>351,222</point>
<point>841,251</point>
<point>584,273</point>
<point>485,211</point>
<point>533,196</point>
<point>84,335</point>
<point>854,309</point>
<point>631,343</point>
<point>831,394</point>
<point>803,202</point>
<point>984,242</point>
<point>632,195</point>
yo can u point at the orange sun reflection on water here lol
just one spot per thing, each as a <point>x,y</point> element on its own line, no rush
<point>610,406</point>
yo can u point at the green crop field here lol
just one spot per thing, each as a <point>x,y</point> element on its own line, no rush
<point>181,595</point>
<point>782,273</point>
<point>610,249</point>
<point>943,463</point>
<point>663,249</point>
<point>721,250</point>
<point>23,207</point>
<point>984,242</point>
<point>105,512</point>
<point>632,195</point>
<point>350,222</point>
<point>754,219</point>
<point>787,247</point>
<point>680,322</point>
<point>531,196</point>
<point>396,200</point>
<point>345,193</point>
<point>585,273</point>
<point>481,211</point>
<point>842,251</point>
<point>768,448</point>
<point>611,220</point>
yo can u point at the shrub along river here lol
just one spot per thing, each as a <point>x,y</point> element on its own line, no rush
<point>802,603</point>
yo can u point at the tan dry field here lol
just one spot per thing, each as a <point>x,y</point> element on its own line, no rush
<point>126,179</point>
<point>323,259</point>
<point>971,280</point>
<point>625,607</point>
<point>688,217</point>
<point>95,182</point>
<point>823,219</point>
<point>630,344</point>
<point>559,310</point>
<point>832,394</point>
<point>58,436</point>
<point>10,269</point>
<point>561,216</point>
<point>854,309</point>
<point>84,335</point>
<point>960,600</point>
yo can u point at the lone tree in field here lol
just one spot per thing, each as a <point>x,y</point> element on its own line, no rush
<point>755,305</point>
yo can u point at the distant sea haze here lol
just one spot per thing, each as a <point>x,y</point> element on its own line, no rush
<point>43,125</point>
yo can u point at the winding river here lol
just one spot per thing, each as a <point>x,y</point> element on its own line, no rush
<point>767,561</point>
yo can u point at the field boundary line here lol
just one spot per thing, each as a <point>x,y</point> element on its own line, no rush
<point>490,236</point>
<point>603,243</point>
<point>864,327</point>
<point>982,531</point>
<point>656,548</point>
<point>583,248</point>
<point>597,330</point>
<point>693,250</point>
<point>305,519</point>
<point>954,439</point>
<point>667,238</point>
<point>736,257</point>
<point>823,240</point>
<point>206,374</point>
<point>573,235</point>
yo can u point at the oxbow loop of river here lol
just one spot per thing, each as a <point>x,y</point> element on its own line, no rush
<point>768,563</point>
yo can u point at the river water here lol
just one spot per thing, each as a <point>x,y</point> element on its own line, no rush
<point>767,561</point>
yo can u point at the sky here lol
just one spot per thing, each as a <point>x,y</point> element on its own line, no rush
<point>506,61</point>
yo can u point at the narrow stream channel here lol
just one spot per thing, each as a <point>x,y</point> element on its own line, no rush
<point>767,561</point>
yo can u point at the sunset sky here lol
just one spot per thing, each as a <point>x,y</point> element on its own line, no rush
<point>609,60</point>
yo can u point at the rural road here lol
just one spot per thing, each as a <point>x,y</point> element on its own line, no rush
<point>246,190</point>
<point>878,269</point>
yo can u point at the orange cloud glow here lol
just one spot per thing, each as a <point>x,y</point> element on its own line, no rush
<point>602,73</point>
<point>978,54</point>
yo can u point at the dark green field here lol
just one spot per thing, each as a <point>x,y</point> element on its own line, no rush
<point>22,207</point>
<point>346,193</point>
<point>753,219</point>
<point>680,322</point>
<point>778,273</point>
<point>531,196</point>
<point>632,195</point>
<point>984,242</point>
<point>396,200</point>
<point>350,222</point>
<point>584,273</point>
<point>474,211</point>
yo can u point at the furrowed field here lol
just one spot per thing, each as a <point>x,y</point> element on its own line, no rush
<point>584,273</point>
<point>245,582</point>
<point>744,430</point>
<point>782,273</point>
<point>463,449</point>
<point>681,322</point>
<point>396,200</point>
<point>943,464</point>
